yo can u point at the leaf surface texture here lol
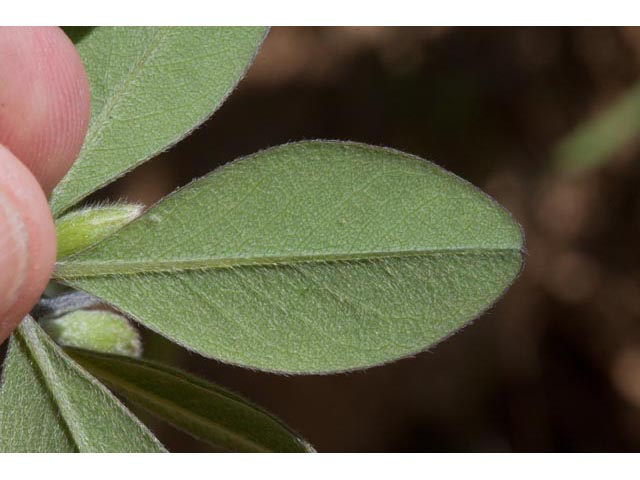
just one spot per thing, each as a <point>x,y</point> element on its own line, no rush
<point>194,405</point>
<point>310,257</point>
<point>48,403</point>
<point>150,87</point>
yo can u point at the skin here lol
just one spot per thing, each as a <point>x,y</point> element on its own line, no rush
<point>44,113</point>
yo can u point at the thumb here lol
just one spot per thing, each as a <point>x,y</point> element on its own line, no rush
<point>27,241</point>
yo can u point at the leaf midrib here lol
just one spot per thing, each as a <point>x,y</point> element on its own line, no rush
<point>111,102</point>
<point>51,389</point>
<point>122,87</point>
<point>70,269</point>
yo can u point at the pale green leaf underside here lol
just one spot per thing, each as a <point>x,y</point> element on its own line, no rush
<point>191,404</point>
<point>150,86</point>
<point>49,404</point>
<point>309,257</point>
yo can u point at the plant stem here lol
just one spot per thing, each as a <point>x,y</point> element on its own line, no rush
<point>56,306</point>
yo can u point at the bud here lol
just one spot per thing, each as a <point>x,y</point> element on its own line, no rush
<point>84,227</point>
<point>97,330</point>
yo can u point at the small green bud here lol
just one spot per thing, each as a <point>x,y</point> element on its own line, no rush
<point>97,330</point>
<point>84,227</point>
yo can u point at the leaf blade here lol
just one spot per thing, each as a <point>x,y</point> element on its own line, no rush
<point>192,404</point>
<point>80,414</point>
<point>150,87</point>
<point>594,141</point>
<point>17,425</point>
<point>308,258</point>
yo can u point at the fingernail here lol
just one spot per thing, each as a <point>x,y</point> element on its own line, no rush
<point>13,252</point>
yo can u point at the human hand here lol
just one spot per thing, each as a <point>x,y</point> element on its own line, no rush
<point>44,113</point>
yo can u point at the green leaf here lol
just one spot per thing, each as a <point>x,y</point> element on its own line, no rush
<point>196,406</point>
<point>81,228</point>
<point>97,330</point>
<point>49,404</point>
<point>595,141</point>
<point>309,257</point>
<point>150,86</point>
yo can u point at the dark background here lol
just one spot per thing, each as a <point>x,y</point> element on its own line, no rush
<point>555,365</point>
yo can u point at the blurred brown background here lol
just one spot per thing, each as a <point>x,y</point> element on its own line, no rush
<point>555,365</point>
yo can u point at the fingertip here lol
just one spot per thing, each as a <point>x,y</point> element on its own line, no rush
<point>27,242</point>
<point>44,100</point>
